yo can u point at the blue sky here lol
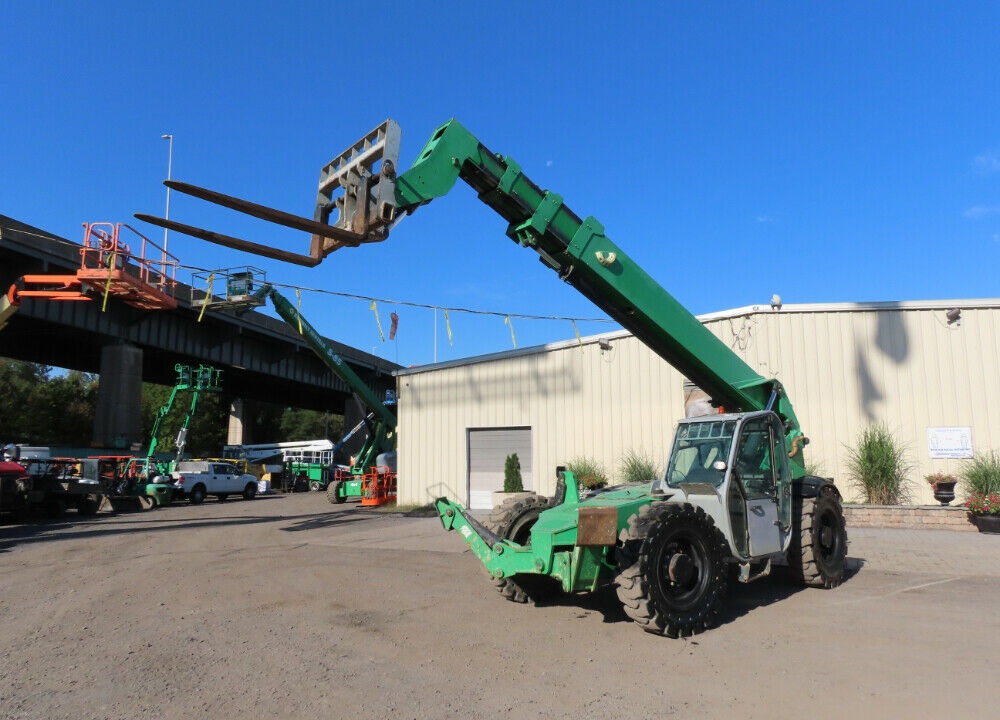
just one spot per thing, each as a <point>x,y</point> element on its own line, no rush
<point>828,152</point>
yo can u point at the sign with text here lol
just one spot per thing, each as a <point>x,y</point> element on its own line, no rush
<point>950,442</point>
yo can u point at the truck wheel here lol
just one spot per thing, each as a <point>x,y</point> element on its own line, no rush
<point>513,521</point>
<point>333,492</point>
<point>89,505</point>
<point>197,495</point>
<point>314,486</point>
<point>818,551</point>
<point>55,508</point>
<point>250,491</point>
<point>677,584</point>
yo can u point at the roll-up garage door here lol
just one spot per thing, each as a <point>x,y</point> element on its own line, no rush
<point>488,449</point>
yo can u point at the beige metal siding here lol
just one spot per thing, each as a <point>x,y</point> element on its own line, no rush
<point>578,401</point>
<point>842,368</point>
<point>906,368</point>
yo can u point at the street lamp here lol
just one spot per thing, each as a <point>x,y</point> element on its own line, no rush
<point>166,216</point>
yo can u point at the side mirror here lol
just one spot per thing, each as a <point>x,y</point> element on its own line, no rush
<point>720,465</point>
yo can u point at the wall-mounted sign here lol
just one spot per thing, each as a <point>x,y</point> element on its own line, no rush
<point>950,442</point>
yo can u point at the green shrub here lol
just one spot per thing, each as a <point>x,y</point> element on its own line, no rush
<point>512,474</point>
<point>637,467</point>
<point>981,474</point>
<point>588,472</point>
<point>878,467</point>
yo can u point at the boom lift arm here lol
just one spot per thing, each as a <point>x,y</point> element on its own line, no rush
<point>582,255</point>
<point>381,435</point>
<point>577,249</point>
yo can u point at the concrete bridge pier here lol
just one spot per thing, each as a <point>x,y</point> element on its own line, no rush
<point>241,414</point>
<point>118,419</point>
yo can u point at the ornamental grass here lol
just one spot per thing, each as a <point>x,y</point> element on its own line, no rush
<point>878,467</point>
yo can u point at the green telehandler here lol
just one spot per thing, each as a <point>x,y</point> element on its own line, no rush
<point>735,494</point>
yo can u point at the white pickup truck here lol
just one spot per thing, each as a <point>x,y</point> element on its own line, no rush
<point>197,478</point>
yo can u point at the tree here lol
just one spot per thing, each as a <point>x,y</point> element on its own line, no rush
<point>512,474</point>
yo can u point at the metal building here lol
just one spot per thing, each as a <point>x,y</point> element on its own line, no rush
<point>929,370</point>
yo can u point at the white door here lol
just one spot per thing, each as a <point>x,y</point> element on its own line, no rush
<point>488,449</point>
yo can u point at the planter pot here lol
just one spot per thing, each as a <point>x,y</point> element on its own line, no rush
<point>944,492</point>
<point>988,524</point>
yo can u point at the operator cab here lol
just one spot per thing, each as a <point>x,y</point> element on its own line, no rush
<point>741,460</point>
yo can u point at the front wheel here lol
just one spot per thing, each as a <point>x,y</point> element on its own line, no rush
<point>333,492</point>
<point>817,555</point>
<point>250,491</point>
<point>513,521</point>
<point>88,505</point>
<point>314,486</point>
<point>677,582</point>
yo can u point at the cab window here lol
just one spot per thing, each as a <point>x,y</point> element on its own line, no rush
<point>753,461</point>
<point>696,447</point>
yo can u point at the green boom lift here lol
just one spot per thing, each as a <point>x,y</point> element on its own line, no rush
<point>138,486</point>
<point>381,421</point>
<point>735,492</point>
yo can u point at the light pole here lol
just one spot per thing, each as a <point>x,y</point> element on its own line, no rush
<point>166,216</point>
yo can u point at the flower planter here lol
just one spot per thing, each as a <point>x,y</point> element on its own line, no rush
<point>944,492</point>
<point>988,524</point>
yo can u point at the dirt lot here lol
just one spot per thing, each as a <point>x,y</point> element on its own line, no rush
<point>289,607</point>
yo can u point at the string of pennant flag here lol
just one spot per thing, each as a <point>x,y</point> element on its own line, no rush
<point>373,305</point>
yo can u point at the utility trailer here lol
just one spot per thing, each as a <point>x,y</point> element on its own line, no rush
<point>735,494</point>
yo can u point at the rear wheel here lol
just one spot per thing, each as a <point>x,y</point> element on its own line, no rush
<point>250,491</point>
<point>513,521</point>
<point>197,495</point>
<point>89,505</point>
<point>818,551</point>
<point>333,492</point>
<point>677,582</point>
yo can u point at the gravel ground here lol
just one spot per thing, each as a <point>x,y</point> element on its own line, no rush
<point>289,607</point>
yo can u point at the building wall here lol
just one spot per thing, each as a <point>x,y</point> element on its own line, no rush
<point>844,366</point>
<point>577,399</point>
<point>906,367</point>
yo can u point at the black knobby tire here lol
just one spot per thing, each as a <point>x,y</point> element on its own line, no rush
<point>250,491</point>
<point>333,492</point>
<point>88,505</point>
<point>817,554</point>
<point>197,495</point>
<point>677,582</point>
<point>314,486</point>
<point>513,521</point>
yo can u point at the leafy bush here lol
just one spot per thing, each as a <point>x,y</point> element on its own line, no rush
<point>588,472</point>
<point>637,467</point>
<point>981,474</point>
<point>878,466</point>
<point>512,474</point>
